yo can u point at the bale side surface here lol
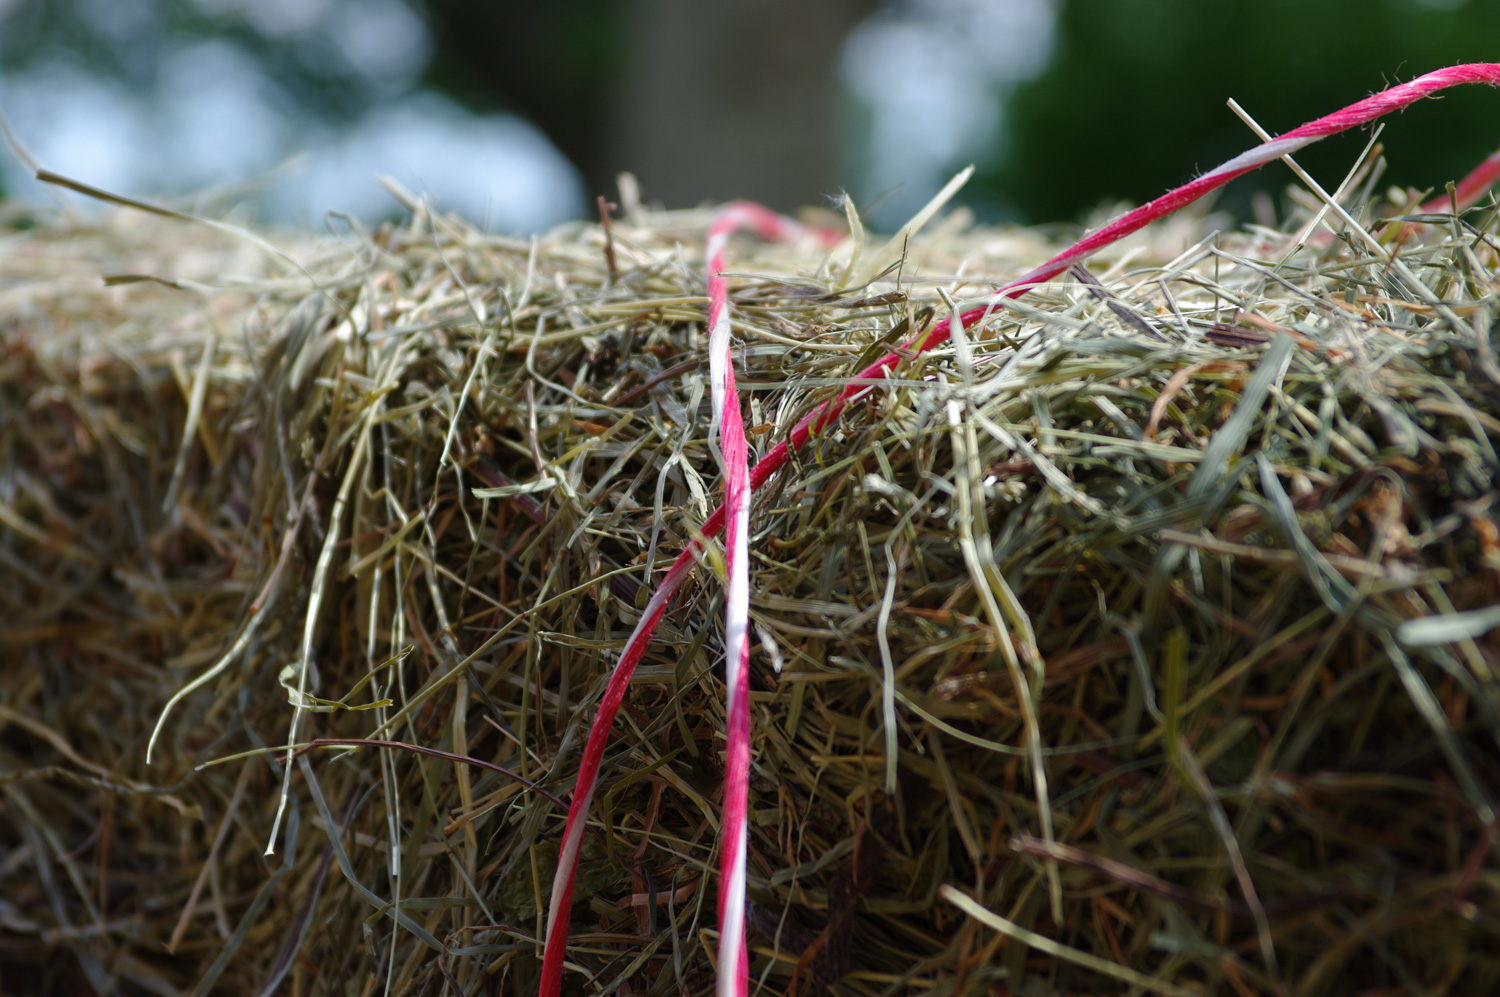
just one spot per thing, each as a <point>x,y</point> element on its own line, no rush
<point>1193,504</point>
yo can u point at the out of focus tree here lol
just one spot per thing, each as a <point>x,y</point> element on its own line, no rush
<point>1133,101</point>
<point>734,99</point>
<point>702,101</point>
<point>553,63</point>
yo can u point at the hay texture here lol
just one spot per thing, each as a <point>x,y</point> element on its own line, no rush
<point>1214,519</point>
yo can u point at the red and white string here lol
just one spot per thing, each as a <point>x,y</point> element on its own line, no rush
<point>733,518</point>
<point>734,959</point>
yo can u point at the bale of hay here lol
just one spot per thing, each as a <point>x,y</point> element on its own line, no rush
<point>1217,513</point>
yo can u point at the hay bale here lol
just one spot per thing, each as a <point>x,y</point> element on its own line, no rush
<point>1220,512</point>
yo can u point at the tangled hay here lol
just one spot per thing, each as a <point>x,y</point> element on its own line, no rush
<point>1223,505</point>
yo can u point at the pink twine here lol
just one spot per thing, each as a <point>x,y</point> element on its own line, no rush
<point>766,223</point>
<point>734,959</point>
<point>1469,190</point>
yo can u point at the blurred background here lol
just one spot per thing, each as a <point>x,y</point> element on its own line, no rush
<point>517,113</point>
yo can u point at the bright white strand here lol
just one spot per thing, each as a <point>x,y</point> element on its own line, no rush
<point>567,858</point>
<point>715,250</point>
<point>718,359</point>
<point>1261,154</point>
<point>732,922</point>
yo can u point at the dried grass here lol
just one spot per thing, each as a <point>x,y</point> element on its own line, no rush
<point>1223,507</point>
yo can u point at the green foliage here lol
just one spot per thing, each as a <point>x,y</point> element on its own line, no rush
<point>1133,102</point>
